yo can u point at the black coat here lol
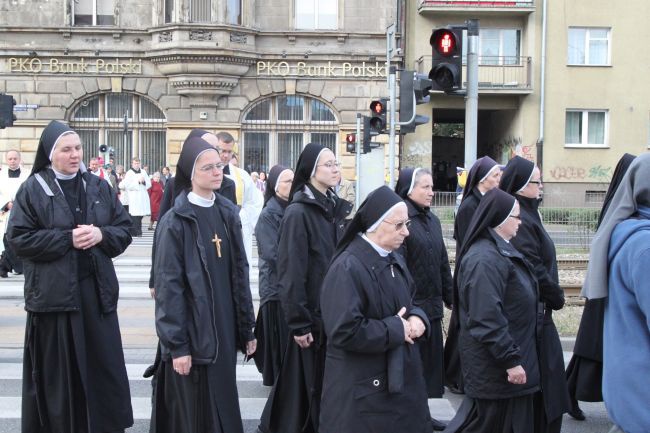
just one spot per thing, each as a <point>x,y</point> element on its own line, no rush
<point>309,232</point>
<point>499,316</point>
<point>227,190</point>
<point>426,257</point>
<point>267,233</point>
<point>40,232</point>
<point>535,244</point>
<point>366,351</point>
<point>183,283</point>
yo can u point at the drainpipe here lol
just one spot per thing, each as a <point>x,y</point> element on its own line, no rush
<point>542,99</point>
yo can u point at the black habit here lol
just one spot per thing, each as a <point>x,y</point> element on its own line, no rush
<point>73,348</point>
<point>585,370</point>
<point>373,378</point>
<point>499,320</point>
<point>466,210</point>
<point>538,248</point>
<point>311,226</point>
<point>426,257</point>
<point>271,328</point>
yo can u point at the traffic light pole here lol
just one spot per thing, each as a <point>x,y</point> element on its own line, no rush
<point>359,144</point>
<point>471,104</point>
<point>391,131</point>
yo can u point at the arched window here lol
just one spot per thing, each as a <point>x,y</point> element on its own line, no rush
<point>129,124</point>
<point>275,130</point>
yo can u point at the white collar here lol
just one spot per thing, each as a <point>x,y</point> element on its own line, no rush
<point>63,176</point>
<point>382,252</point>
<point>200,201</point>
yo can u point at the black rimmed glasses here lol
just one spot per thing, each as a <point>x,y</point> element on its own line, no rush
<point>536,182</point>
<point>517,217</point>
<point>400,225</point>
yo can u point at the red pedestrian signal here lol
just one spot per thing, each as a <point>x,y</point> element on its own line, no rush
<point>446,59</point>
<point>444,42</point>
<point>351,143</point>
<point>378,116</point>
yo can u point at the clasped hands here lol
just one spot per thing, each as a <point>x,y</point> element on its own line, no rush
<point>413,326</point>
<point>86,236</point>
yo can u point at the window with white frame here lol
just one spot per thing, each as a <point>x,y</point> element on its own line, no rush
<point>275,130</point>
<point>589,46</point>
<point>316,14</point>
<point>93,12</point>
<point>496,46</point>
<point>586,128</point>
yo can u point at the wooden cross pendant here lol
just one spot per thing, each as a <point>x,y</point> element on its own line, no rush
<point>217,243</point>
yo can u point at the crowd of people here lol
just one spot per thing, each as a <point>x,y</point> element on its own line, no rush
<point>349,329</point>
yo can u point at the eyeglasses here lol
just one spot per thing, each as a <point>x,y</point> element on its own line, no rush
<point>517,217</point>
<point>212,167</point>
<point>330,164</point>
<point>400,225</point>
<point>536,182</point>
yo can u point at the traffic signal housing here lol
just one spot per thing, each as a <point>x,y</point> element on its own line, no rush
<point>447,59</point>
<point>7,116</point>
<point>368,133</point>
<point>413,90</point>
<point>351,143</point>
<point>378,116</point>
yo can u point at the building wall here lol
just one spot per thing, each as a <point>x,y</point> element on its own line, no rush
<point>620,88</point>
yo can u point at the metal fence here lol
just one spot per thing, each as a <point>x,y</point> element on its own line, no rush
<point>571,226</point>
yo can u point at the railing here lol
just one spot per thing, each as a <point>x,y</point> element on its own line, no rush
<point>570,226</point>
<point>508,4</point>
<point>500,73</point>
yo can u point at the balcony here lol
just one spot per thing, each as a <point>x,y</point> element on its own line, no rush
<point>476,6</point>
<point>496,74</point>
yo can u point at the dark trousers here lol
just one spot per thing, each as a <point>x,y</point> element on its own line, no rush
<point>136,225</point>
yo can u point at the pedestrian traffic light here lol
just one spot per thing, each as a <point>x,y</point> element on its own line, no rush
<point>378,116</point>
<point>351,143</point>
<point>446,63</point>
<point>413,90</point>
<point>7,115</point>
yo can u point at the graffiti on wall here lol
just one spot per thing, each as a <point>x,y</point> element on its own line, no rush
<point>595,172</point>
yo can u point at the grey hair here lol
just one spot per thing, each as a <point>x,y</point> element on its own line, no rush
<point>421,172</point>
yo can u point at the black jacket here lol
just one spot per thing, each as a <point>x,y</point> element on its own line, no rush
<point>227,190</point>
<point>367,357</point>
<point>40,232</point>
<point>309,232</point>
<point>184,301</point>
<point>426,256</point>
<point>267,233</point>
<point>499,317</point>
<point>535,244</point>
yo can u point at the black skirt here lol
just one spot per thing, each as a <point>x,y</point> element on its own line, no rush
<point>585,379</point>
<point>433,361</point>
<point>453,371</point>
<point>510,415</point>
<point>272,334</point>
<point>74,375</point>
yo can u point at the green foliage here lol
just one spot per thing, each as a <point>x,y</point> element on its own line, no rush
<point>584,218</point>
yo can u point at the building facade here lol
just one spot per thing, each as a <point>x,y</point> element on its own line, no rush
<point>574,107</point>
<point>138,75</point>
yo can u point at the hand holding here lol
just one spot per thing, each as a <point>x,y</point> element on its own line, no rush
<point>517,375</point>
<point>86,236</point>
<point>251,347</point>
<point>417,327</point>
<point>406,324</point>
<point>304,341</point>
<point>182,365</point>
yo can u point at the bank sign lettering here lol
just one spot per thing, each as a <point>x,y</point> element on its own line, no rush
<point>303,69</point>
<point>36,65</point>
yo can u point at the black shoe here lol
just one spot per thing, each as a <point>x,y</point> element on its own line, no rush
<point>577,414</point>
<point>438,425</point>
<point>4,274</point>
<point>455,390</point>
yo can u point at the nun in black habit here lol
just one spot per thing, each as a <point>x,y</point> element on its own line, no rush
<point>67,225</point>
<point>482,177</point>
<point>226,189</point>
<point>585,370</point>
<point>271,329</point>
<point>204,311</point>
<point>310,229</point>
<point>522,179</point>
<point>499,316</point>
<point>426,257</point>
<point>373,372</point>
